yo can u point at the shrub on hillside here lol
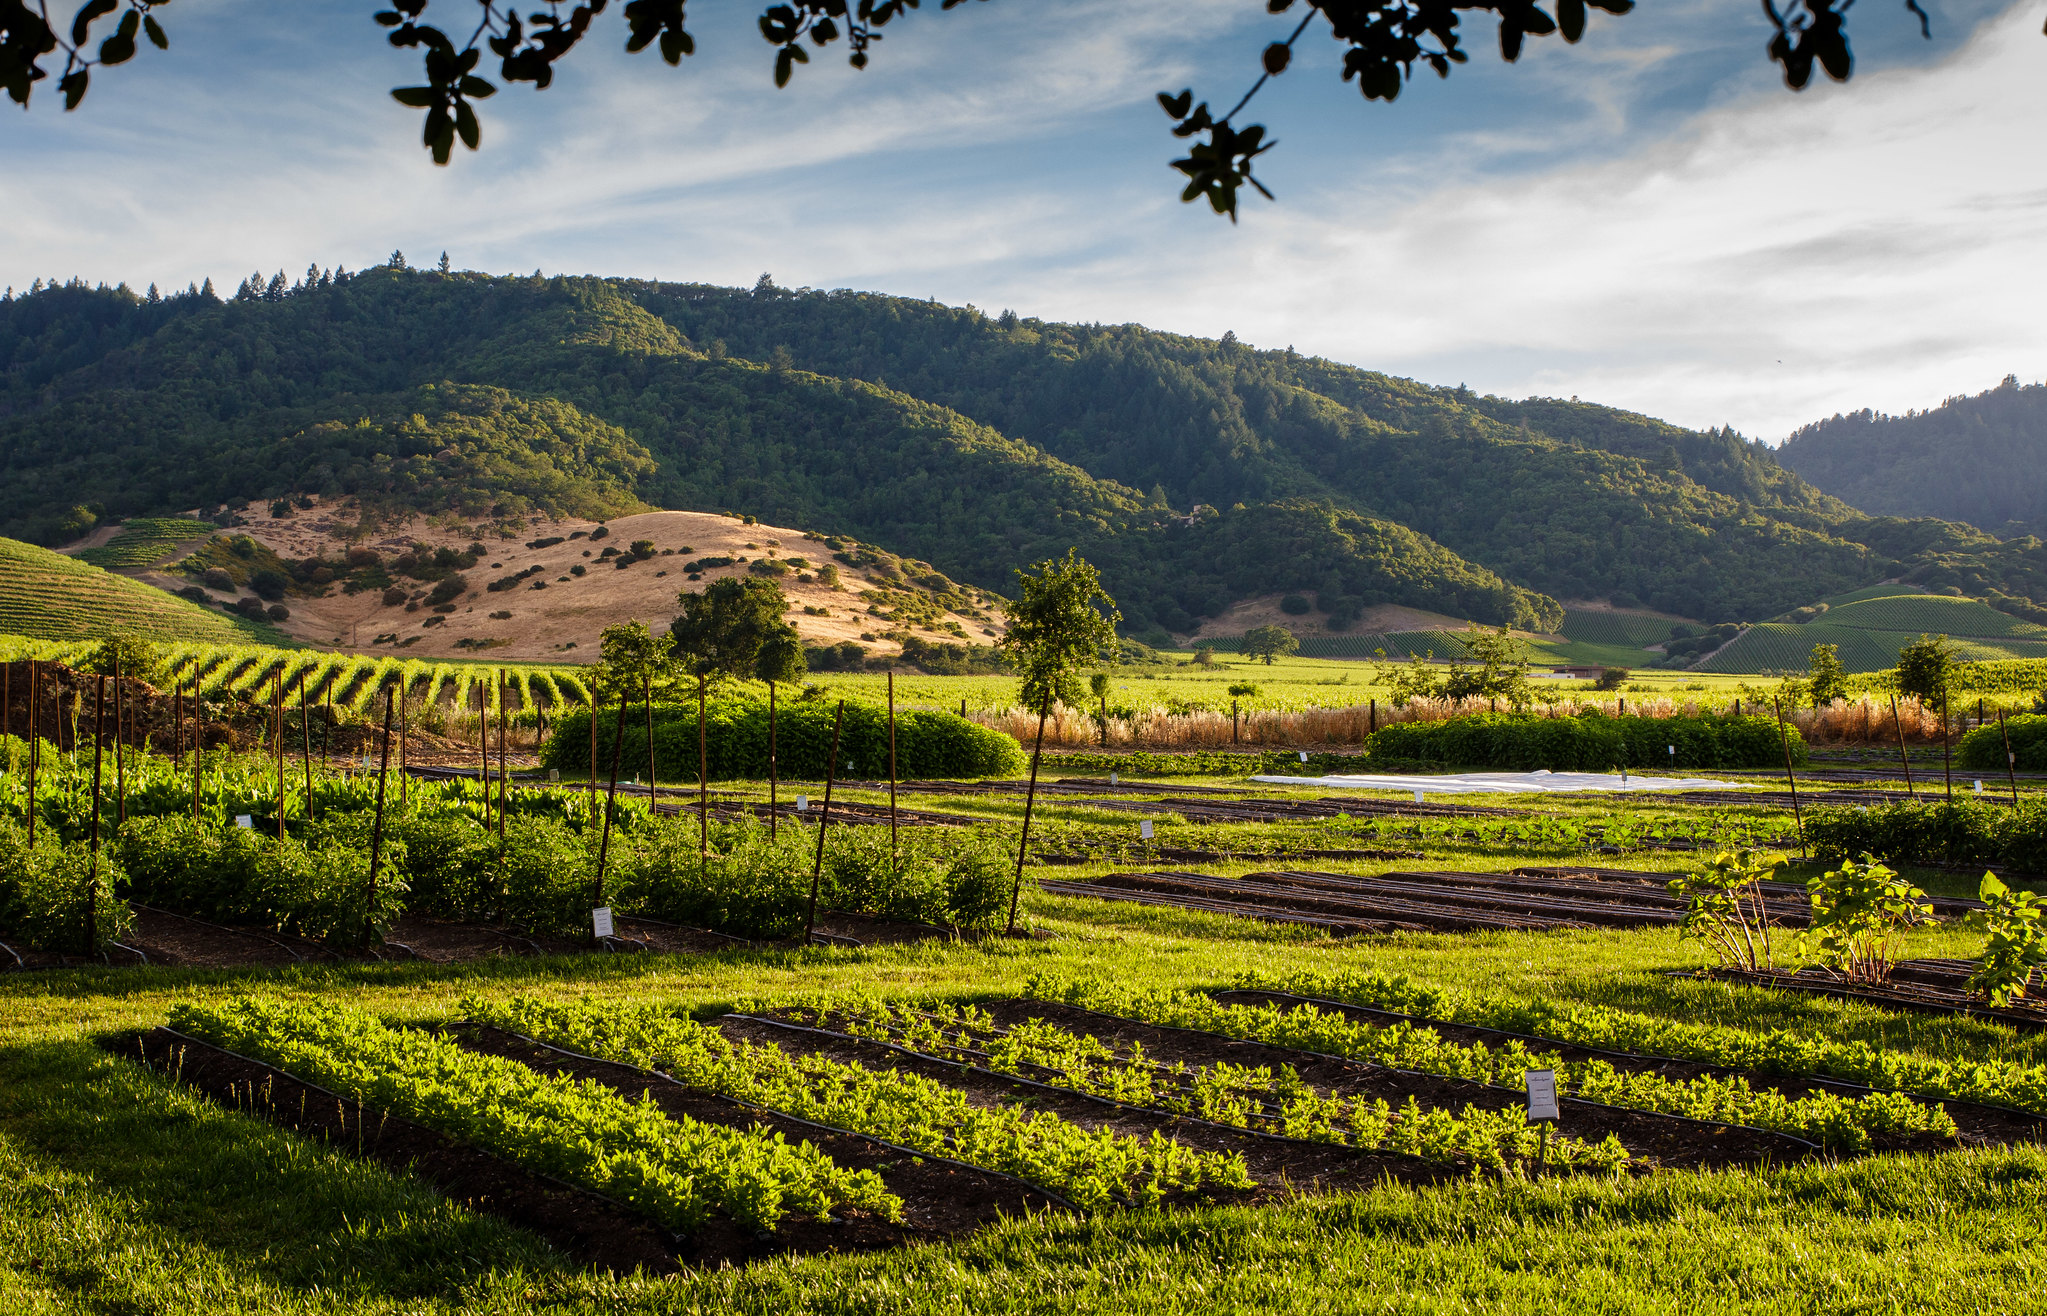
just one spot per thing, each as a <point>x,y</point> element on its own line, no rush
<point>928,743</point>
<point>1590,742</point>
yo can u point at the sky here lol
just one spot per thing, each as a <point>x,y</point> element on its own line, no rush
<point>1647,219</point>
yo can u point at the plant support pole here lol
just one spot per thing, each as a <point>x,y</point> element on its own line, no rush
<point>1947,740</point>
<point>610,797</point>
<point>892,765</point>
<point>504,780</point>
<point>1784,739</point>
<point>703,785</point>
<point>35,744</point>
<point>1023,843</point>
<point>591,792</point>
<point>653,781</point>
<point>771,761</point>
<point>198,744</point>
<point>306,745</point>
<point>92,877</point>
<point>2011,762</point>
<point>369,908</point>
<point>120,765</point>
<point>277,721</point>
<point>823,821</point>
<point>1898,724</point>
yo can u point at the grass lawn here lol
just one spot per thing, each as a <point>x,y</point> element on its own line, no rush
<point>120,1192</point>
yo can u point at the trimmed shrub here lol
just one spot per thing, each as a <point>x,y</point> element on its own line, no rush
<point>1590,742</point>
<point>1936,834</point>
<point>1982,750</point>
<point>928,743</point>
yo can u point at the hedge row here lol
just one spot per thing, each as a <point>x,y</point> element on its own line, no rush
<point>1982,750</point>
<point>1589,742</point>
<point>928,744</point>
<point>1936,834</point>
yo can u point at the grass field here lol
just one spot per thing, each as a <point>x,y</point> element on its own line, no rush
<point>49,596</point>
<point>144,541</point>
<point>122,1192</point>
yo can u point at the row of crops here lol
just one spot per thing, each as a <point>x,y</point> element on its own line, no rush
<point>1100,1097</point>
<point>54,597</point>
<point>1781,647</point>
<point>1624,629</point>
<point>144,541</point>
<point>1392,644</point>
<point>351,681</point>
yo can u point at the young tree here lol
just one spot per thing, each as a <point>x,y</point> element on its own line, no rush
<point>1499,670</point>
<point>1410,681</point>
<point>1270,642</point>
<point>138,658</point>
<point>1056,627</point>
<point>725,627</point>
<point>1925,667</point>
<point>1826,678</point>
<point>632,662</point>
<point>1098,686</point>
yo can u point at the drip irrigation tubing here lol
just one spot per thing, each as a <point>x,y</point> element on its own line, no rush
<point>221,927</point>
<point>19,963</point>
<point>1813,1080</point>
<point>1562,1098</point>
<point>794,1119</point>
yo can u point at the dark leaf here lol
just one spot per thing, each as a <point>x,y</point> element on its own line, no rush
<point>155,31</point>
<point>417,97</point>
<point>1571,19</point>
<point>81,25</point>
<point>1276,57</point>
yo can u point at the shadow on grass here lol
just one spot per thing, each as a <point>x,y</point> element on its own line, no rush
<point>198,1182</point>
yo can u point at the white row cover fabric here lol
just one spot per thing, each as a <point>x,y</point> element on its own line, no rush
<point>1513,783</point>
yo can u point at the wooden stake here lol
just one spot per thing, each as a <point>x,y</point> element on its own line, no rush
<point>92,879</point>
<point>120,759</point>
<point>647,698</point>
<point>377,830</point>
<point>892,763</point>
<point>824,820</point>
<point>593,761</point>
<point>483,739</point>
<point>2011,762</point>
<point>504,783</point>
<point>404,717</point>
<point>35,744</point>
<point>198,743</point>
<point>277,721</point>
<point>1375,717</point>
<point>1898,724</point>
<point>703,786</point>
<point>1784,739</point>
<point>1030,797</point>
<point>1947,759</point>
<point>610,797</point>
<point>327,728</point>
<point>771,761</point>
<point>306,744</point>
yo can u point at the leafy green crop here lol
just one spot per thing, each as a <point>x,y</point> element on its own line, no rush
<point>1590,742</point>
<point>2017,942</point>
<point>1253,1098</point>
<point>1093,1168</point>
<point>1779,1052</point>
<point>676,1170</point>
<point>1841,1124</point>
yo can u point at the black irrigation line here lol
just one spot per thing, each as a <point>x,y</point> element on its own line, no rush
<point>794,1119</point>
<point>1231,909</point>
<point>1876,997</point>
<point>1562,1098</point>
<point>1151,1112</point>
<point>19,963</point>
<point>625,1208</point>
<point>1814,1080</point>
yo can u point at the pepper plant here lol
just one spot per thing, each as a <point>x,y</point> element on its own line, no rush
<point>1724,907</point>
<point>1859,913</point>
<point>2017,944</point>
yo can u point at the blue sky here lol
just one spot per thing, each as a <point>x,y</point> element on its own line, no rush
<point>1646,219</point>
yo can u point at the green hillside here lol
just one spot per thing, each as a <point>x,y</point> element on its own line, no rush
<point>1869,627</point>
<point>48,596</point>
<point>974,442</point>
<point>144,540</point>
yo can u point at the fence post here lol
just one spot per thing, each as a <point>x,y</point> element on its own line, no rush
<point>1375,718</point>
<point>823,821</point>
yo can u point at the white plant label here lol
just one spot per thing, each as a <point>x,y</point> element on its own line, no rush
<point>1542,1095</point>
<point>600,920</point>
<point>802,804</point>
<point>245,822</point>
<point>1418,798</point>
<point>1979,785</point>
<point>1112,779</point>
<point>1304,756</point>
<point>1144,830</point>
<point>554,774</point>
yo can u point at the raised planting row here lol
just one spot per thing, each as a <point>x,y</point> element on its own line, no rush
<point>679,1172</point>
<point>1249,1097</point>
<point>1844,1124</point>
<point>1090,1167</point>
<point>1779,1052</point>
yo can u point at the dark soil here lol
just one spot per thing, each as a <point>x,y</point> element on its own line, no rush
<point>940,1200</point>
<point>587,1228</point>
<point>1932,986</point>
<point>1665,1139</point>
<point>1979,1125</point>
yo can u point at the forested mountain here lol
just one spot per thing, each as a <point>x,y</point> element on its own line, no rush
<point>971,442</point>
<point>1980,459</point>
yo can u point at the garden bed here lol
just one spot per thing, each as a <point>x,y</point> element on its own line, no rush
<point>1930,986</point>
